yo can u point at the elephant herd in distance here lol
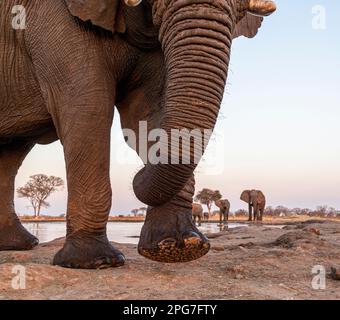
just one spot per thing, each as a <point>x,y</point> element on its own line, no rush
<point>256,205</point>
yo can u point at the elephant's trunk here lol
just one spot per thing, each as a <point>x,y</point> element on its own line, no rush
<point>196,42</point>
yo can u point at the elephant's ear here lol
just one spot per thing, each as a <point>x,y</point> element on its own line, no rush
<point>248,26</point>
<point>245,196</point>
<point>260,196</point>
<point>107,14</point>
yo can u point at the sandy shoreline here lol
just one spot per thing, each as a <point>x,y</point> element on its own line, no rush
<point>52,219</point>
<point>266,220</point>
<point>244,263</point>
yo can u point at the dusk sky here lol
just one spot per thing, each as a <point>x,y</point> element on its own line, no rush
<point>279,125</point>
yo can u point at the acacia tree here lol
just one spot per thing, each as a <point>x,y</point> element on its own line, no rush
<point>207,197</point>
<point>143,210</point>
<point>134,212</point>
<point>38,189</point>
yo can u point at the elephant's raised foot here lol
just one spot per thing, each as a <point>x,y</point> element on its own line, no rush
<point>171,237</point>
<point>15,237</point>
<point>171,250</point>
<point>88,253</point>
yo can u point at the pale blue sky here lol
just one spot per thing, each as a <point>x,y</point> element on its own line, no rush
<point>279,120</point>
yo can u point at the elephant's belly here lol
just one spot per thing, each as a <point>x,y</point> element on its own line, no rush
<point>22,108</point>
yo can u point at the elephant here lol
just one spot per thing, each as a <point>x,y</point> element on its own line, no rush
<point>224,206</point>
<point>67,65</point>
<point>206,216</point>
<point>197,213</point>
<point>257,201</point>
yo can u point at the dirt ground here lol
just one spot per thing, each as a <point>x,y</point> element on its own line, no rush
<point>258,262</point>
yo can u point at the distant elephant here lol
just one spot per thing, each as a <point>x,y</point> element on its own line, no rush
<point>206,216</point>
<point>224,206</point>
<point>65,64</point>
<point>257,201</point>
<point>197,213</point>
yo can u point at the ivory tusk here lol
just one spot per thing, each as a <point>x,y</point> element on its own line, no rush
<point>261,7</point>
<point>132,3</point>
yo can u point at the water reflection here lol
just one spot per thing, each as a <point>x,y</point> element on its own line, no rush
<point>223,227</point>
<point>214,227</point>
<point>46,231</point>
<point>123,232</point>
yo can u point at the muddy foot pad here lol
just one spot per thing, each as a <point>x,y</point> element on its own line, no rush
<point>169,235</point>
<point>170,251</point>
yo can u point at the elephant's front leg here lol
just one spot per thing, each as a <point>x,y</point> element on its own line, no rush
<point>221,217</point>
<point>260,215</point>
<point>256,213</point>
<point>169,234</point>
<point>250,210</point>
<point>13,236</point>
<point>86,142</point>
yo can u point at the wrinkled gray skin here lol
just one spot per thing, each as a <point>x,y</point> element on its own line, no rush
<point>197,213</point>
<point>256,201</point>
<point>164,61</point>
<point>224,206</point>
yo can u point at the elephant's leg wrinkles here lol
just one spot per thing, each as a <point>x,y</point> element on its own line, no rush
<point>13,236</point>
<point>169,234</point>
<point>89,199</point>
<point>81,101</point>
<point>85,135</point>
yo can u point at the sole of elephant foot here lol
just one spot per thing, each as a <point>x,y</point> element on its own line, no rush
<point>170,250</point>
<point>15,237</point>
<point>170,236</point>
<point>88,254</point>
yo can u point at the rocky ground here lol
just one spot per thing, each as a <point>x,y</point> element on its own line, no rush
<point>258,262</point>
